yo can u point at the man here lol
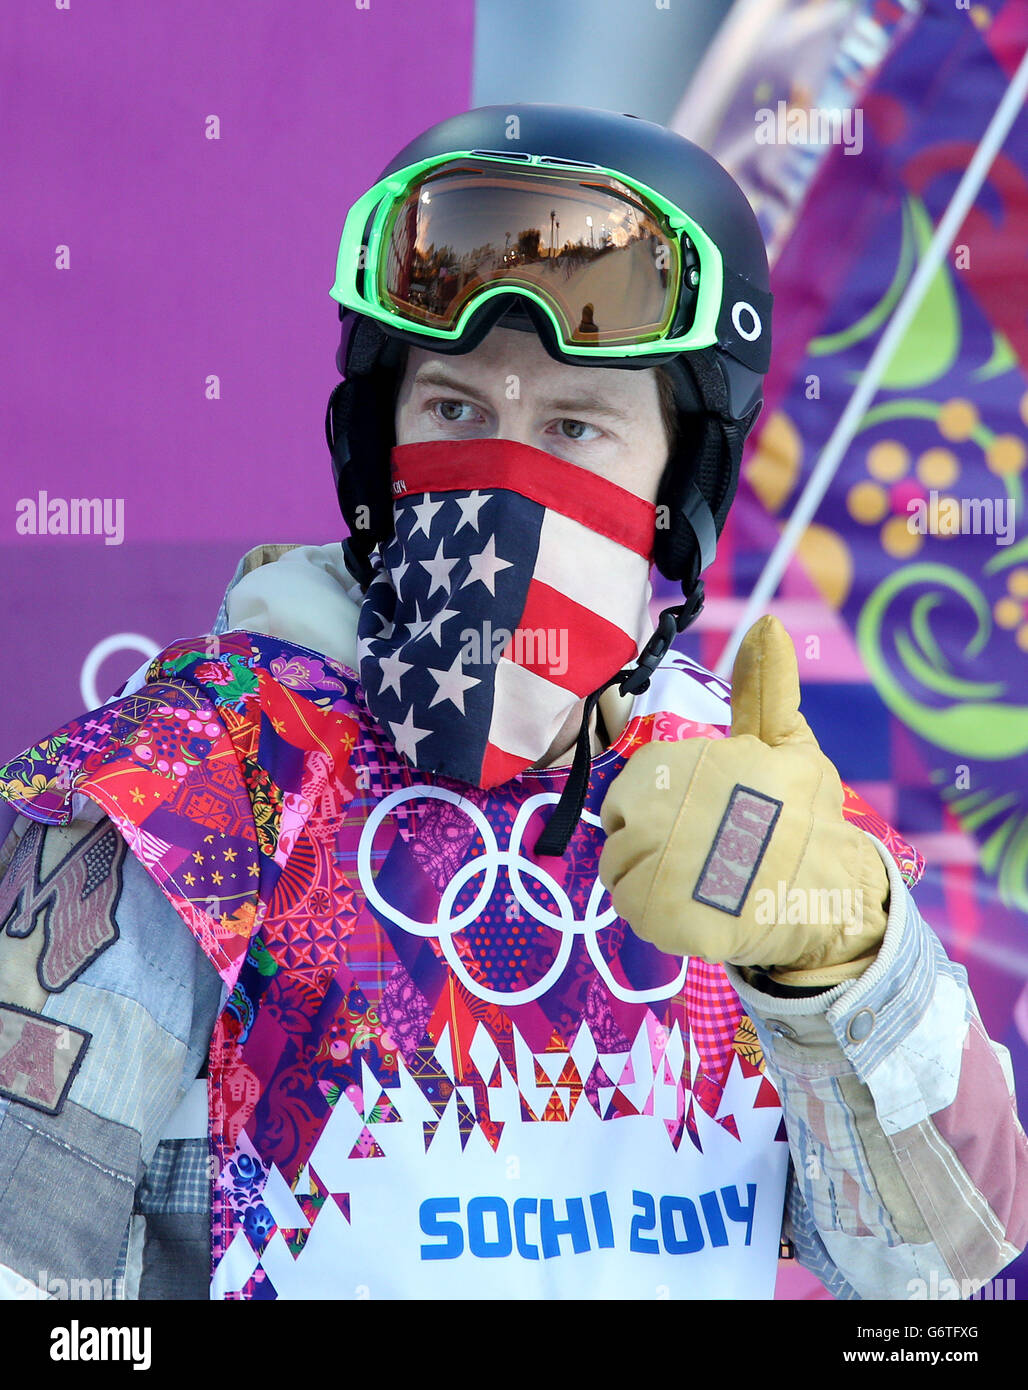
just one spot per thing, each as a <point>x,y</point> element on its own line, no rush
<point>443,1063</point>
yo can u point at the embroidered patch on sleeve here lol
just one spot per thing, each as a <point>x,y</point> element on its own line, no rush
<point>38,1058</point>
<point>739,845</point>
<point>54,922</point>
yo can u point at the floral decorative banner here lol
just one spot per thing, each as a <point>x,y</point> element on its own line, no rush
<point>913,580</point>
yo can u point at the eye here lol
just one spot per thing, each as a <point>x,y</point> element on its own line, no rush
<point>576,429</point>
<point>452,411</point>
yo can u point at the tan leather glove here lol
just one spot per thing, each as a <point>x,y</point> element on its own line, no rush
<point>736,849</point>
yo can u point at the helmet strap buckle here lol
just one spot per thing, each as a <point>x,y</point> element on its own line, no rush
<point>671,622</point>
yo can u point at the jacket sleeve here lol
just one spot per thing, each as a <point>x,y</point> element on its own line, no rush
<point>910,1168</point>
<point>106,1009</point>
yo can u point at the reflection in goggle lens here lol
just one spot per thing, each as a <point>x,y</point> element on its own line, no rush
<point>606,266</point>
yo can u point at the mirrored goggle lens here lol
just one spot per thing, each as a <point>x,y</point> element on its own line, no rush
<point>603,262</point>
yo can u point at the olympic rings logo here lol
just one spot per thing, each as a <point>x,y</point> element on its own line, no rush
<point>515,863</point>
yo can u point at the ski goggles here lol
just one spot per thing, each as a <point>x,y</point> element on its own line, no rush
<point>617,269</point>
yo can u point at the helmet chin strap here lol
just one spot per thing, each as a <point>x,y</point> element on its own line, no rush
<point>556,837</point>
<point>559,829</point>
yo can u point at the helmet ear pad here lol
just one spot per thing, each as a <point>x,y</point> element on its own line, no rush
<point>359,427</point>
<point>675,552</point>
<point>702,472</point>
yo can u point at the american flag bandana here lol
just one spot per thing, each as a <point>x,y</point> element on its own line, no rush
<point>515,585</point>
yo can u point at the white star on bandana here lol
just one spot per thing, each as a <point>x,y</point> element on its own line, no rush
<point>407,735</point>
<point>439,569</point>
<point>485,566</point>
<point>398,571</point>
<point>430,627</point>
<point>434,625</point>
<point>452,684</point>
<point>470,507</point>
<point>425,513</point>
<point>393,671</point>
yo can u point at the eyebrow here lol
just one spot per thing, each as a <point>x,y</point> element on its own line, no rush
<point>586,400</point>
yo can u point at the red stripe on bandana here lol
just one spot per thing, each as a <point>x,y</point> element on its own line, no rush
<point>467,465</point>
<point>499,767</point>
<point>556,632</point>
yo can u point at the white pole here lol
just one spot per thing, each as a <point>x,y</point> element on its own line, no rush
<point>832,454</point>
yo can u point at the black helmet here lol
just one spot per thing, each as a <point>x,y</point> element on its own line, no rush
<point>718,387</point>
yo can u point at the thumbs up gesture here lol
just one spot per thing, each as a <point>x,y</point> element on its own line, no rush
<point>736,849</point>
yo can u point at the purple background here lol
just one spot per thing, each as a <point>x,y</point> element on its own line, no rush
<point>189,257</point>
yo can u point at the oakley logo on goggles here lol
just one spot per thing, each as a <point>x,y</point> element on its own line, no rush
<point>618,270</point>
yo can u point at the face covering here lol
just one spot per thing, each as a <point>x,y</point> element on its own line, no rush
<point>515,585</point>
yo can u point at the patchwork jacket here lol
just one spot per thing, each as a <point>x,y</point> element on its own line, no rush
<point>354,1039</point>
